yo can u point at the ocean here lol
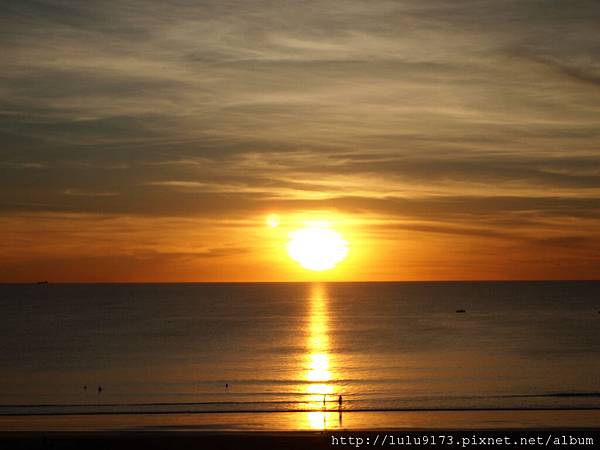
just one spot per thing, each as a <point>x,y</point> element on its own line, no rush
<point>279,347</point>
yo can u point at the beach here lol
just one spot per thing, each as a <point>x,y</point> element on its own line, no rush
<point>581,433</point>
<point>285,430</point>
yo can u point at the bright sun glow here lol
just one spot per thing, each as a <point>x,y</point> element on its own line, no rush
<point>317,248</point>
<point>273,220</point>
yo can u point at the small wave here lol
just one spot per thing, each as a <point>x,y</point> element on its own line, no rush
<point>246,411</point>
<point>554,395</point>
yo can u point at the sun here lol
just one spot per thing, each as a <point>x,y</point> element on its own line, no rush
<point>317,248</point>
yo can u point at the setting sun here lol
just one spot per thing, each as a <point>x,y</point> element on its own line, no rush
<point>317,248</point>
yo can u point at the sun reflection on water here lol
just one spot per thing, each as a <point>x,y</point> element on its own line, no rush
<point>318,372</point>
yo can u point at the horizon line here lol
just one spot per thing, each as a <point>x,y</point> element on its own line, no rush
<point>516,280</point>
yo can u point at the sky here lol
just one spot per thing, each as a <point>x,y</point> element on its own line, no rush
<point>147,141</point>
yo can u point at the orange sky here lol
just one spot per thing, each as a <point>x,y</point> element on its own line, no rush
<point>69,247</point>
<point>149,141</point>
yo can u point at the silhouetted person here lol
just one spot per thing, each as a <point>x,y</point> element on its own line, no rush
<point>85,387</point>
<point>226,385</point>
<point>340,402</point>
<point>324,400</point>
<point>99,389</point>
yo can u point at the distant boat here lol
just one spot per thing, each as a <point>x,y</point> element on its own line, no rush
<point>43,282</point>
<point>461,311</point>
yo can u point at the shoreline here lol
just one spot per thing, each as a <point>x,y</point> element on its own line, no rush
<point>304,421</point>
<point>287,411</point>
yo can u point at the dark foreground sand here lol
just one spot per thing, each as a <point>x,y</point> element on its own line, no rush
<point>572,438</point>
<point>162,440</point>
<point>249,431</point>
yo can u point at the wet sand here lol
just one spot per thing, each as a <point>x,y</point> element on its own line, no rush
<point>294,430</point>
<point>305,421</point>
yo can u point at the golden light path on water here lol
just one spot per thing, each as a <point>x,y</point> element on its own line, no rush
<point>318,370</point>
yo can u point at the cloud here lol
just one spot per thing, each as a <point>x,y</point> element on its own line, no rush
<point>80,193</point>
<point>436,111</point>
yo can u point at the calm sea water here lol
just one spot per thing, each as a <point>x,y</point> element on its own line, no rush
<point>282,347</point>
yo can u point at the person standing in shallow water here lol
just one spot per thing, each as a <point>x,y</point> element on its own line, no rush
<point>340,402</point>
